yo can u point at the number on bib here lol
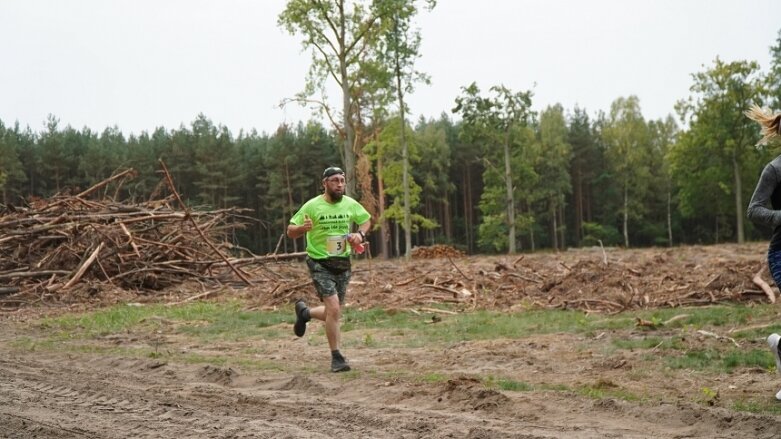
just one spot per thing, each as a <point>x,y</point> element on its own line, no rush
<point>336,245</point>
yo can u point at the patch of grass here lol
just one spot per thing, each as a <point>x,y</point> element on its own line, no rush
<point>102,322</point>
<point>34,344</point>
<point>514,386</point>
<point>700,359</point>
<point>227,321</point>
<point>638,343</point>
<point>433,377</point>
<point>755,334</point>
<point>368,340</point>
<point>205,320</point>
<point>653,346</point>
<point>204,359</point>
<point>754,358</point>
<point>638,374</point>
<point>599,390</point>
<point>760,407</point>
<point>410,330</point>
<point>554,387</point>
<point>718,361</point>
<point>712,316</point>
<point>606,389</point>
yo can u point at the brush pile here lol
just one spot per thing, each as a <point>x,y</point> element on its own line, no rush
<point>590,280</point>
<point>58,243</point>
<point>436,251</point>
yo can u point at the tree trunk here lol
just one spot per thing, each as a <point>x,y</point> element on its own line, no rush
<point>509,187</point>
<point>348,153</point>
<point>269,240</point>
<point>562,229</point>
<point>289,202</point>
<point>259,232</point>
<point>284,237</point>
<point>669,219</point>
<point>626,215</point>
<point>396,237</point>
<point>717,229</point>
<point>428,208</point>
<point>739,209</point>
<point>468,209</point>
<point>404,159</point>
<point>554,228</point>
<point>532,245</point>
<point>587,204</point>
<point>578,195</point>
<point>448,220</point>
<point>384,232</point>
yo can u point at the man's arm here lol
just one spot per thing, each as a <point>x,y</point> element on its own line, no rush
<point>296,231</point>
<point>364,228</point>
<point>359,236</point>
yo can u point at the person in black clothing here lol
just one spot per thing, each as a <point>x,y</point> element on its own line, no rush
<point>765,207</point>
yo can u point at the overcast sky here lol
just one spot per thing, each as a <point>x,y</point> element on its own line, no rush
<point>141,64</point>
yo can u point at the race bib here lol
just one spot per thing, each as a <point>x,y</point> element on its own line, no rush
<point>336,245</point>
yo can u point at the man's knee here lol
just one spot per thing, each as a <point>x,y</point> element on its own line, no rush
<point>332,307</point>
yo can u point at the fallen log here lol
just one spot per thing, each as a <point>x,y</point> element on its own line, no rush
<point>76,277</point>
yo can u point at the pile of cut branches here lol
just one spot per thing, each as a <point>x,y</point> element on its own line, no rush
<point>436,251</point>
<point>583,279</point>
<point>68,240</point>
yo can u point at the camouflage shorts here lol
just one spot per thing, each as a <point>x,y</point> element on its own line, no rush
<point>326,282</point>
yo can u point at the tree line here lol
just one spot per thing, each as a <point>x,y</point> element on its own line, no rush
<point>490,175</point>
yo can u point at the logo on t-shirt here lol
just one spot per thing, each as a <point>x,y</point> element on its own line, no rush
<point>337,221</point>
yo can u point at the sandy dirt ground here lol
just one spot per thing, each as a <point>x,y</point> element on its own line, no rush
<point>49,393</point>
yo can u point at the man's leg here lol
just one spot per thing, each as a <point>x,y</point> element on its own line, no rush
<point>331,288</point>
<point>330,312</point>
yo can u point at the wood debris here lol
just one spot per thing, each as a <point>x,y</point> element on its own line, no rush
<point>436,251</point>
<point>54,245</point>
<point>579,279</point>
<point>76,243</point>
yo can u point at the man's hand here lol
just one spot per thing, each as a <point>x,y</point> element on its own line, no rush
<point>354,239</point>
<point>356,242</point>
<point>307,225</point>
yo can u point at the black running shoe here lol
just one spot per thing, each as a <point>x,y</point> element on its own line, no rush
<point>339,363</point>
<point>299,328</point>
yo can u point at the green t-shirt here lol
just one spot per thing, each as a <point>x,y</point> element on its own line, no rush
<point>330,224</point>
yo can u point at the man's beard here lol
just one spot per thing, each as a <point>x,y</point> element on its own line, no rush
<point>334,196</point>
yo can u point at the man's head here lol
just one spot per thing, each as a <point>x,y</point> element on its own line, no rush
<point>333,183</point>
<point>332,170</point>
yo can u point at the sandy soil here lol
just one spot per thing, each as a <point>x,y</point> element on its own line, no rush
<point>50,394</point>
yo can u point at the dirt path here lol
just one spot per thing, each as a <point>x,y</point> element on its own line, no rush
<point>52,395</point>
